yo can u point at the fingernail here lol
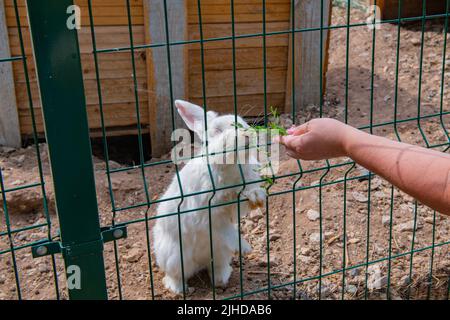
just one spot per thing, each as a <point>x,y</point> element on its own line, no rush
<point>291,130</point>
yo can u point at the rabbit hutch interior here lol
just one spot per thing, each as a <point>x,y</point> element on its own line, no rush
<point>327,229</point>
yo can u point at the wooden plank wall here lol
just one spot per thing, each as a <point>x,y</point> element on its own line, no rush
<point>216,18</point>
<point>110,18</point>
<point>411,8</point>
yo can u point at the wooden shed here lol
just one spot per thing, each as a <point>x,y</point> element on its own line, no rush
<point>116,73</point>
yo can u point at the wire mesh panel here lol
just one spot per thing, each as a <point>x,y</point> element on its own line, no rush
<point>329,229</point>
<point>349,255</point>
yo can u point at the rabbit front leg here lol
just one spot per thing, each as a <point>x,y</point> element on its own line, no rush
<point>222,261</point>
<point>254,192</point>
<point>222,267</point>
<point>225,244</point>
<point>173,284</point>
<point>245,246</point>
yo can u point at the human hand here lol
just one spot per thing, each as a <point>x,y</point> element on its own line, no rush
<point>317,139</point>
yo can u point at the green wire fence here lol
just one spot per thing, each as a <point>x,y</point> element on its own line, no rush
<point>81,238</point>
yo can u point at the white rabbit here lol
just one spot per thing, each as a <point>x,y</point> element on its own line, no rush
<point>194,178</point>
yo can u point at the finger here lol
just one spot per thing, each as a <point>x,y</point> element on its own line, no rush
<point>297,131</point>
<point>279,139</point>
<point>291,130</point>
<point>288,141</point>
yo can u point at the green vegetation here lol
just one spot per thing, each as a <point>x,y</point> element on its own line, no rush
<point>274,125</point>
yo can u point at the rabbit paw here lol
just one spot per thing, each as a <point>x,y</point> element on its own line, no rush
<point>245,246</point>
<point>222,275</point>
<point>256,198</point>
<point>174,285</point>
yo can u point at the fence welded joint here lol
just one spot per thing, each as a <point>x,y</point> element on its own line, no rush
<point>108,234</point>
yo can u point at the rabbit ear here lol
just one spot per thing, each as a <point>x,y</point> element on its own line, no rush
<point>194,116</point>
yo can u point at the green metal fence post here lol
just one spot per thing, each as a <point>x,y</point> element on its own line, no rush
<point>59,72</point>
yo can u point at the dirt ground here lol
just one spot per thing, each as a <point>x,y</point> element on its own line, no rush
<point>429,268</point>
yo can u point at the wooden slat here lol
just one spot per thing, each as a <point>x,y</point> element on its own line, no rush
<point>246,58</point>
<point>220,83</point>
<point>112,66</point>
<point>107,37</point>
<point>116,115</point>
<point>114,91</point>
<point>118,132</point>
<point>158,69</point>
<point>84,3</point>
<point>214,31</point>
<point>248,105</point>
<point>252,11</point>
<point>106,13</point>
<point>307,64</point>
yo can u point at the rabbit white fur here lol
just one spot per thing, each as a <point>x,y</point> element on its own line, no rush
<point>195,177</point>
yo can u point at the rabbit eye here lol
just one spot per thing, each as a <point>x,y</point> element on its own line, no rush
<point>217,131</point>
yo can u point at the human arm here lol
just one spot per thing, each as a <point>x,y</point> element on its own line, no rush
<point>422,173</point>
